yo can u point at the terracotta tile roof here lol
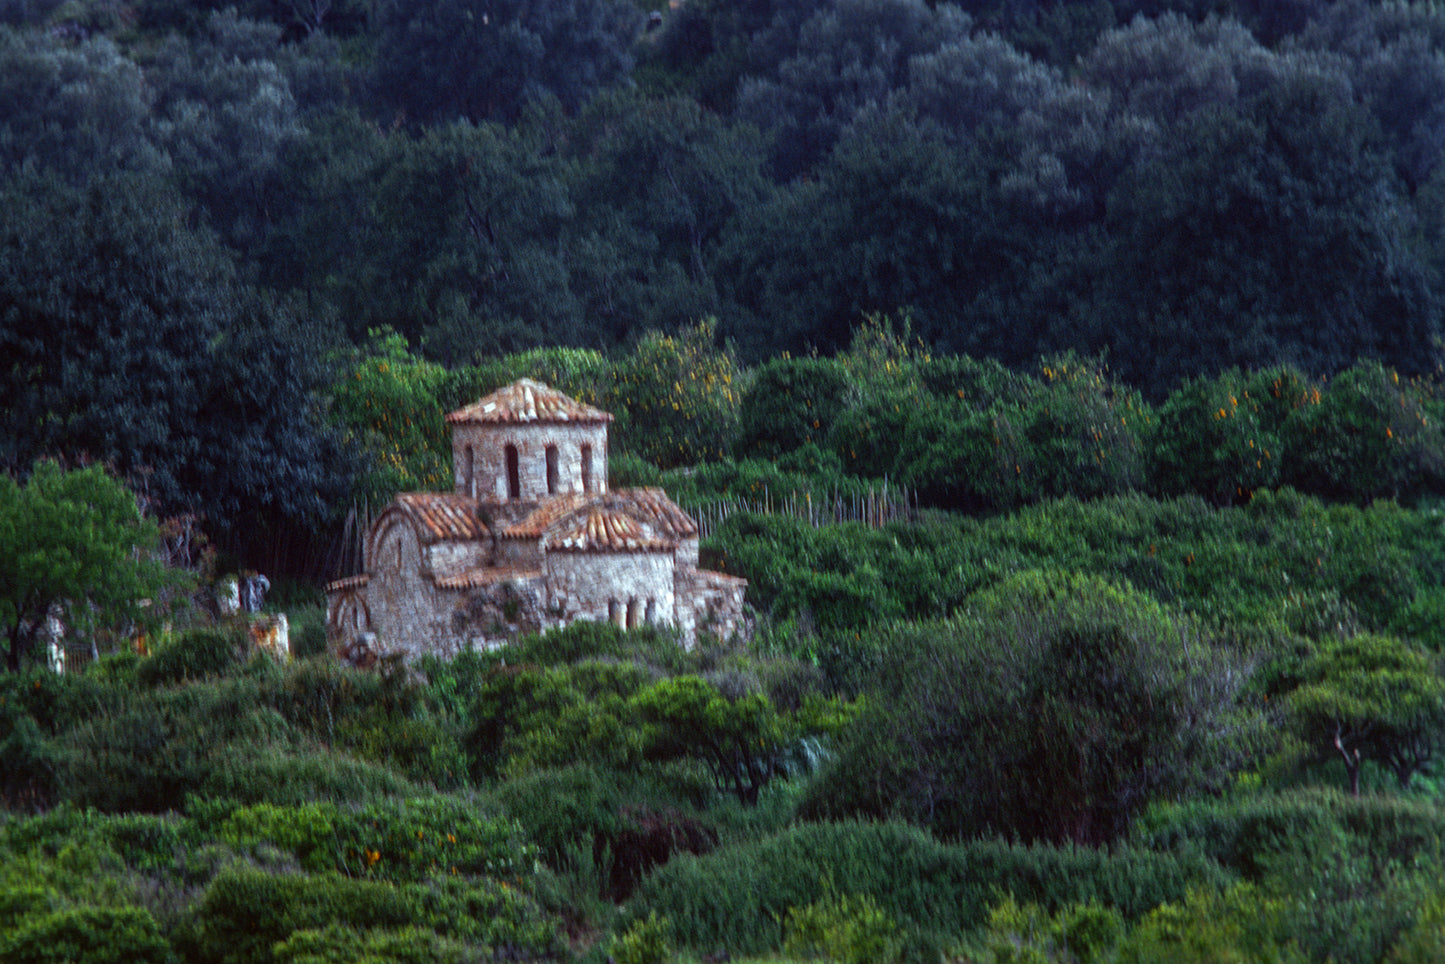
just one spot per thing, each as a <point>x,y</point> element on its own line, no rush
<point>536,523</point>
<point>651,507</point>
<point>476,578</point>
<point>527,401</point>
<point>609,530</point>
<point>350,582</point>
<point>444,516</point>
<point>664,515</point>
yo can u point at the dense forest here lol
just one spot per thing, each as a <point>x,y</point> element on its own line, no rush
<point>1063,377</point>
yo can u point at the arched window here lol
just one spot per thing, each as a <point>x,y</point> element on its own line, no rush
<point>514,475</point>
<point>634,614</point>
<point>469,482</point>
<point>586,468</point>
<point>651,616</point>
<point>551,470</point>
<point>616,614</point>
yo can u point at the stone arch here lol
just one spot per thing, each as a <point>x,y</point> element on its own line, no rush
<point>394,543</point>
<point>350,614</point>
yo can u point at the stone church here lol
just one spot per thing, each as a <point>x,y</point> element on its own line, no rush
<point>531,539</point>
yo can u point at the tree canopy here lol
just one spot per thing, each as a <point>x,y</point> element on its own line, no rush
<point>74,546</point>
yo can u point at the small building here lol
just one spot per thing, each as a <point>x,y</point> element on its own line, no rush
<point>530,539</point>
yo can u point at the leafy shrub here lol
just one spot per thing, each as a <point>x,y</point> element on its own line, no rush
<point>845,929</point>
<point>193,655</point>
<point>1368,435</point>
<point>1052,711</point>
<point>336,944</point>
<point>675,397</point>
<point>980,382</point>
<point>791,401</point>
<point>1215,439</point>
<point>624,825</point>
<point>308,634</point>
<point>387,404</point>
<point>395,840</point>
<point>87,935</point>
<point>1249,833</point>
<point>645,941</point>
<point>245,912</point>
<point>737,897</point>
<point>1239,923</point>
<point>1080,933</point>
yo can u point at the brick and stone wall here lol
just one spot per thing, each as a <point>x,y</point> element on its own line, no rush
<point>627,588</point>
<point>481,464</point>
<point>448,557</point>
<point>710,602</point>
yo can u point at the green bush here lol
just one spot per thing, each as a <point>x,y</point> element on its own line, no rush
<point>1249,833</point>
<point>1238,924</point>
<point>195,654</point>
<point>675,398</point>
<point>308,632</point>
<point>335,944</point>
<point>1215,439</point>
<point>790,402</point>
<point>88,935</point>
<point>736,898</point>
<point>1368,435</point>
<point>1079,933</point>
<point>1052,710</point>
<point>845,929</point>
<point>643,942</point>
<point>245,912</point>
<point>591,811</point>
<point>395,840</point>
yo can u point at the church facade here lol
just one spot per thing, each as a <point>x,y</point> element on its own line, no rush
<point>530,538</point>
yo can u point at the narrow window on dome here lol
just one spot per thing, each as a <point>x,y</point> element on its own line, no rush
<point>514,475</point>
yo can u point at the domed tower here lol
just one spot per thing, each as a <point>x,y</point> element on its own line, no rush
<point>526,443</point>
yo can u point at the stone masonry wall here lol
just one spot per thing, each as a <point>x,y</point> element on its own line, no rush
<point>486,476</point>
<point>623,587</point>
<point>709,602</point>
<point>445,558</point>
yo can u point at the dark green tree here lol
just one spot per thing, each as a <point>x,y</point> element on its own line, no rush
<point>129,339</point>
<point>476,60</point>
<point>850,54</point>
<point>79,110</point>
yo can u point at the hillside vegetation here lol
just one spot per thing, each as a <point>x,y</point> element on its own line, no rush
<point>1062,377</point>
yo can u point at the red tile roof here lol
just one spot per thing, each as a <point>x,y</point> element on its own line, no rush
<point>535,524</point>
<point>476,578</point>
<point>349,582</point>
<point>609,530</point>
<point>528,401</point>
<point>651,507</point>
<point>444,515</point>
<point>654,507</point>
